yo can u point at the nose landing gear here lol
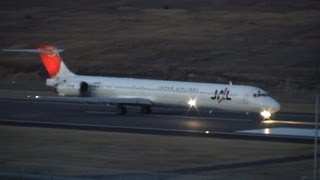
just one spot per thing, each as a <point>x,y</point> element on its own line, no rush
<point>266,115</point>
<point>146,109</point>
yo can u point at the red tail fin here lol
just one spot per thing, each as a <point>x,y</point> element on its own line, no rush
<point>51,59</point>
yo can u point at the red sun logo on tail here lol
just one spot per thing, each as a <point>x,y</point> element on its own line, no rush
<point>51,59</point>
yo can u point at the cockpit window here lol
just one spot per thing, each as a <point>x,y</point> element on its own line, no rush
<point>259,94</point>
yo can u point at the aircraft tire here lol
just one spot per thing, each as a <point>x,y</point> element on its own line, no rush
<point>122,110</point>
<point>146,109</point>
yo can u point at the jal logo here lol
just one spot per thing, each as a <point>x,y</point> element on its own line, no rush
<point>221,95</point>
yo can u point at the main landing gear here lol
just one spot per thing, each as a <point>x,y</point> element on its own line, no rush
<point>146,109</point>
<point>121,110</point>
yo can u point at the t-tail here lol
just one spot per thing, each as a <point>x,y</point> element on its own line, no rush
<point>52,61</point>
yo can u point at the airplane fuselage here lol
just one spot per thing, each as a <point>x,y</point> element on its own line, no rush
<point>174,93</point>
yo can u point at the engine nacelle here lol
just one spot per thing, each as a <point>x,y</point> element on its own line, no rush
<point>73,89</point>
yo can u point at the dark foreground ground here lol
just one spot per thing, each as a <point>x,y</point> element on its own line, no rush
<point>271,44</point>
<point>45,153</point>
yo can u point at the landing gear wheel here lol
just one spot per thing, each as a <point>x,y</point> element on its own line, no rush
<point>146,109</point>
<point>122,110</point>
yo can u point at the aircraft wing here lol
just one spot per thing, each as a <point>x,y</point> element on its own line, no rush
<point>96,100</point>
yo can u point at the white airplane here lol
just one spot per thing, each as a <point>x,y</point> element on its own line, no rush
<point>148,93</point>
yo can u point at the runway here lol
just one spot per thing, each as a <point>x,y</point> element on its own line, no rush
<point>167,121</point>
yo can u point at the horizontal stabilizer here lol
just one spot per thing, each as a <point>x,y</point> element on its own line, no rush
<point>32,50</point>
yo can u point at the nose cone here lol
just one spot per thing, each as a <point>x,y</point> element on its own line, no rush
<point>272,105</point>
